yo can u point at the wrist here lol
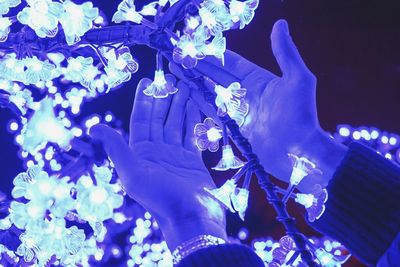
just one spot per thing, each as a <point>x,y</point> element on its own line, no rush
<point>326,153</point>
<point>177,232</point>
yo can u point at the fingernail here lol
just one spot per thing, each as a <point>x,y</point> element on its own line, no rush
<point>285,26</point>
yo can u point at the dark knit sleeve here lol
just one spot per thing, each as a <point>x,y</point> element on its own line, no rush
<point>227,255</point>
<point>363,209</point>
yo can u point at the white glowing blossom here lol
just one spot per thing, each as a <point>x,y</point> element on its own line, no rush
<point>81,70</point>
<point>38,70</point>
<point>149,9</point>
<point>120,66</point>
<point>190,48</point>
<point>302,167</point>
<point>5,5</point>
<point>229,160</point>
<point>223,194</point>
<point>77,20</point>
<point>208,135</point>
<point>5,24</point>
<point>162,86</point>
<point>242,12</point>
<point>42,16</point>
<point>44,127</point>
<point>216,48</point>
<point>12,69</point>
<point>215,17</point>
<point>127,12</point>
<point>96,203</point>
<point>240,200</point>
<point>231,100</point>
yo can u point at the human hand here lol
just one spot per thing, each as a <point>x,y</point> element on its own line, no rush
<point>162,168</point>
<point>283,117</point>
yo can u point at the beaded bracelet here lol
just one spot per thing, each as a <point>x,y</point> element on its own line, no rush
<point>195,244</point>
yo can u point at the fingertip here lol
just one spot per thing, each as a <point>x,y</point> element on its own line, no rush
<point>143,83</point>
<point>170,78</point>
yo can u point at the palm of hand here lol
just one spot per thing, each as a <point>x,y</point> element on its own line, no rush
<point>174,174</point>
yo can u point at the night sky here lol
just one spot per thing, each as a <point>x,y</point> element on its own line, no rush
<point>352,46</point>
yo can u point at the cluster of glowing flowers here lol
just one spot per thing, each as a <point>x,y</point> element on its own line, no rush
<point>302,167</point>
<point>96,202</point>
<point>120,65</point>
<point>5,5</point>
<point>76,20</point>
<point>162,86</point>
<point>228,160</point>
<point>44,127</point>
<point>147,248</point>
<point>81,70</point>
<point>5,24</point>
<point>208,135</point>
<point>242,12</point>
<point>20,97</point>
<point>42,16</point>
<point>29,70</point>
<point>44,192</point>
<point>231,101</point>
<point>314,202</point>
<point>49,241</point>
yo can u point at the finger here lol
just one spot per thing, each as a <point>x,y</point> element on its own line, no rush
<point>195,95</point>
<point>115,146</point>
<point>285,51</point>
<point>141,114</point>
<point>174,124</point>
<point>158,118</point>
<point>235,69</point>
<point>192,118</point>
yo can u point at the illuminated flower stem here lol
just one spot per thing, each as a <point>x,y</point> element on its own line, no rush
<point>263,178</point>
<point>149,24</point>
<point>159,61</point>
<point>288,193</point>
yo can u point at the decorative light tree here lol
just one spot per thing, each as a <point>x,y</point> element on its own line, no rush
<point>68,183</point>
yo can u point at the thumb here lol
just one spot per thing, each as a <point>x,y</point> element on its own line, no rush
<point>285,51</point>
<point>114,145</point>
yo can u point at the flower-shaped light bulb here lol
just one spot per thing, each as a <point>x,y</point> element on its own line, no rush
<point>44,127</point>
<point>216,48</point>
<point>240,200</point>
<point>127,12</point>
<point>231,100</point>
<point>242,12</point>
<point>224,193</point>
<point>301,168</point>
<point>229,160</point>
<point>189,48</point>
<point>5,5</point>
<point>5,24</point>
<point>314,203</point>
<point>208,135</point>
<point>161,87</point>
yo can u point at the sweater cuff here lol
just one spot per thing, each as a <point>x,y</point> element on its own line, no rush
<point>363,209</point>
<point>232,255</point>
